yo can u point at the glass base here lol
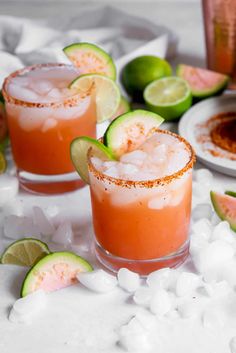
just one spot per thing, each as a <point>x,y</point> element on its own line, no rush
<point>143,267</point>
<point>49,184</point>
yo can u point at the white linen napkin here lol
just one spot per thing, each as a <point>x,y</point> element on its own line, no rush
<point>25,42</point>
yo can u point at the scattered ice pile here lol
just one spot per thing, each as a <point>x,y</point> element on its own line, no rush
<point>160,155</point>
<point>25,309</point>
<point>17,227</point>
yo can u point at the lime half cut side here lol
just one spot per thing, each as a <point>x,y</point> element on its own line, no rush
<point>170,97</point>
<point>89,58</point>
<point>25,252</point>
<point>107,93</point>
<point>79,154</point>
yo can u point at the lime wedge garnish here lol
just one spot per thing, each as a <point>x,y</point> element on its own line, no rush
<point>79,154</point>
<point>170,97</point>
<point>3,163</point>
<point>25,252</point>
<point>89,58</point>
<point>107,93</point>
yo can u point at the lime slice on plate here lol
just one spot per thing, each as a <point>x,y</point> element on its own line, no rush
<point>25,252</point>
<point>3,163</point>
<point>89,58</point>
<point>130,130</point>
<point>79,154</point>
<point>107,93</point>
<point>170,97</point>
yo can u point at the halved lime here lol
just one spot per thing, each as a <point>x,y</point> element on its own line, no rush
<point>139,72</point>
<point>107,93</point>
<point>170,97</point>
<point>89,58</point>
<point>3,163</point>
<point>79,154</point>
<point>130,130</point>
<point>25,252</point>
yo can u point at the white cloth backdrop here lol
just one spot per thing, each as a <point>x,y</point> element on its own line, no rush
<point>26,42</point>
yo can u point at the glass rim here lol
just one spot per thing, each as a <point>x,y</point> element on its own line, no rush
<point>147,183</point>
<point>67,102</point>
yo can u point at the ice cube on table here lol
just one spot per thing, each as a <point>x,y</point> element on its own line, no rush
<point>213,255</point>
<point>160,303</point>
<point>188,308</point>
<point>98,281</point>
<point>24,309</point>
<point>136,157</point>
<point>45,226</point>
<point>133,337</point>
<point>202,210</point>
<point>142,296</point>
<point>201,191</point>
<point>232,345</point>
<point>197,243</point>
<point>217,289</point>
<point>213,318</point>
<point>16,227</point>
<point>223,232</point>
<point>202,227</point>
<point>215,219</point>
<point>187,283</point>
<point>9,186</point>
<point>164,278</point>
<point>203,176</point>
<point>64,234</point>
<point>128,280</point>
<point>146,319</point>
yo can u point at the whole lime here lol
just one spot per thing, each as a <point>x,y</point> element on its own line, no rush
<point>139,72</point>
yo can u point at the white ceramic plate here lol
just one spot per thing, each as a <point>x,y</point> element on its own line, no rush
<point>199,113</point>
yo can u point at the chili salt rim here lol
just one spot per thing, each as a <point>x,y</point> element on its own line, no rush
<point>147,183</point>
<point>68,102</point>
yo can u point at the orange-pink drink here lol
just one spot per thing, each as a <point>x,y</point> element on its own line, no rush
<point>141,204</point>
<point>44,116</point>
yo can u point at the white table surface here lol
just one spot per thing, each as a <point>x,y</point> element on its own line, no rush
<point>185,19</point>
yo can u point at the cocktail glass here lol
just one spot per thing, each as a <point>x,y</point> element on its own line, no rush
<point>142,225</point>
<point>41,131</point>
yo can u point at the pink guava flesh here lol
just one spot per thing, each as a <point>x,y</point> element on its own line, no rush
<point>202,80</point>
